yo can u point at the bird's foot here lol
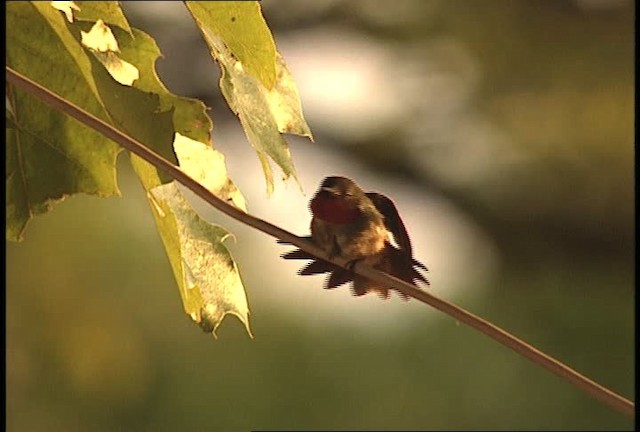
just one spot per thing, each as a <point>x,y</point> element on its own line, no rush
<point>351,264</point>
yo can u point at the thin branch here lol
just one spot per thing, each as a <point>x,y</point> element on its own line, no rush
<point>594,389</point>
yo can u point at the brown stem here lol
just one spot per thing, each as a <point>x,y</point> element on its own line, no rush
<point>596,390</point>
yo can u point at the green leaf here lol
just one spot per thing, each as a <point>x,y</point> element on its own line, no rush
<point>107,11</point>
<point>209,281</point>
<point>264,112</point>
<point>208,293</point>
<point>207,277</point>
<point>49,155</point>
<point>101,42</point>
<point>242,27</point>
<point>190,116</point>
<point>206,165</point>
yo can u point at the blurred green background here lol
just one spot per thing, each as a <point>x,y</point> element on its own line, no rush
<point>505,132</point>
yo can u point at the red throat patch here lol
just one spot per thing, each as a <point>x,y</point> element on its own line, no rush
<point>332,209</point>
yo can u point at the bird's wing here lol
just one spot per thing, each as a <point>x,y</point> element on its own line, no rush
<point>392,220</point>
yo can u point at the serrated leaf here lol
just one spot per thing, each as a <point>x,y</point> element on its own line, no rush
<point>206,165</point>
<point>264,112</point>
<point>284,102</point>
<point>208,278</point>
<point>212,295</point>
<point>48,151</point>
<point>190,116</point>
<point>139,114</point>
<point>107,11</point>
<point>49,155</point>
<point>243,28</point>
<point>198,159</point>
<point>103,44</point>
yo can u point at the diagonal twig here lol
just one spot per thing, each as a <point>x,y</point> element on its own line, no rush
<point>596,390</point>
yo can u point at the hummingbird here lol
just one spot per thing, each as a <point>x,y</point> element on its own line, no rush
<point>358,226</point>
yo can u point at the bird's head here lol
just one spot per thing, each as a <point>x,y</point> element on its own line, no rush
<point>339,200</point>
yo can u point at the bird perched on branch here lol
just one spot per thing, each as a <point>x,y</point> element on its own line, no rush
<point>355,225</point>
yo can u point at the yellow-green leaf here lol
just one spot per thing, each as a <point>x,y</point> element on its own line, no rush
<point>49,155</point>
<point>207,167</point>
<point>103,44</point>
<point>265,112</point>
<point>107,11</point>
<point>209,281</point>
<point>241,26</point>
<point>190,116</point>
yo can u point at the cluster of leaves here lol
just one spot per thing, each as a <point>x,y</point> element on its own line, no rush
<point>87,53</point>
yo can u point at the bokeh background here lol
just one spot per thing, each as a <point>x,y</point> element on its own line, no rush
<point>503,131</point>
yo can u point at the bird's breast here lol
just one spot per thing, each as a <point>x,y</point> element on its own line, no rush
<point>333,210</point>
